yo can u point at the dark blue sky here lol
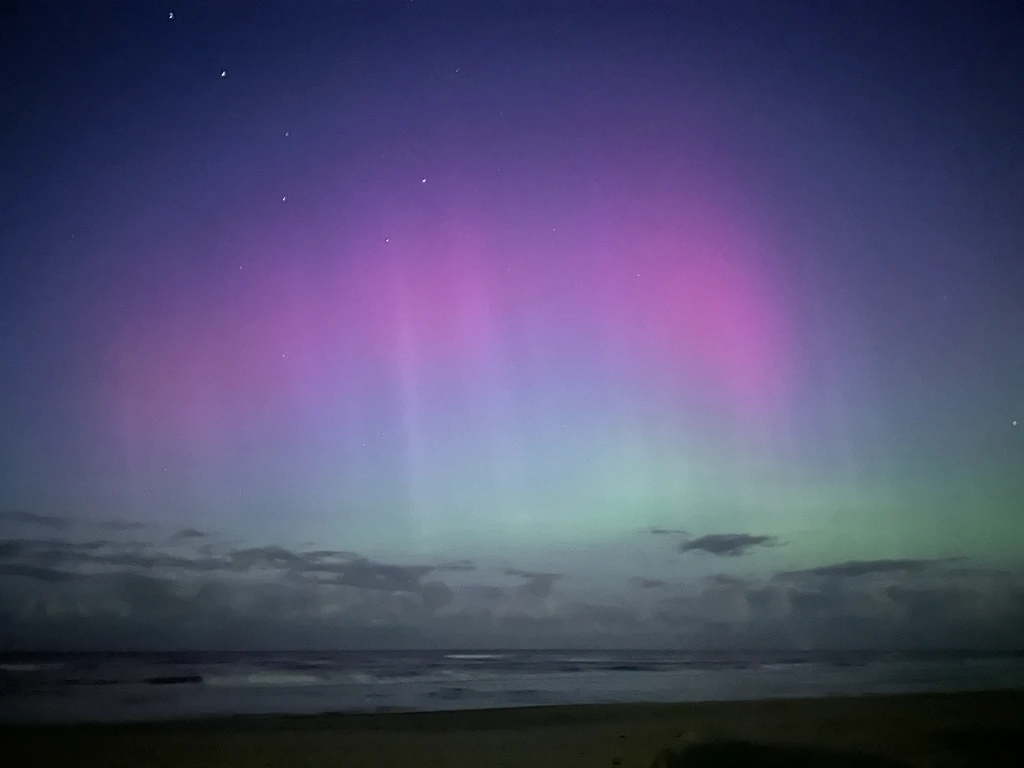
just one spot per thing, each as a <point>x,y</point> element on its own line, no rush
<point>421,283</point>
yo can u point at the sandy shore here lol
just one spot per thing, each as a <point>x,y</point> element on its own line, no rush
<point>924,730</point>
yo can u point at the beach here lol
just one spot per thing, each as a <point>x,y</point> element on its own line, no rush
<point>959,729</point>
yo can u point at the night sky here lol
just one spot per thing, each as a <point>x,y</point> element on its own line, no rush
<point>506,323</point>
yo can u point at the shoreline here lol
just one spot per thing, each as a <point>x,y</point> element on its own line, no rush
<point>913,729</point>
<point>502,717</point>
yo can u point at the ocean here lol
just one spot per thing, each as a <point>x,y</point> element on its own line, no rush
<point>41,687</point>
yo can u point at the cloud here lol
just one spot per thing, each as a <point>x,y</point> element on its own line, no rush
<point>540,586</point>
<point>30,518</point>
<point>113,591</point>
<point>198,591</point>
<point>855,568</point>
<point>648,583</point>
<point>365,574</point>
<point>121,525</point>
<point>657,531</point>
<point>725,580</point>
<point>50,550</point>
<point>597,617</point>
<point>157,560</point>
<point>536,584</point>
<point>329,556</point>
<point>768,602</point>
<point>341,568</point>
<point>188,533</point>
<point>34,572</point>
<point>134,590</point>
<point>486,592</point>
<point>101,552</point>
<point>528,574</point>
<point>726,544</point>
<point>457,565</point>
<point>724,600</point>
<point>266,557</point>
<point>12,547</point>
<point>437,595</point>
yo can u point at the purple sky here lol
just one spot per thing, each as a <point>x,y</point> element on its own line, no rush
<point>513,283</point>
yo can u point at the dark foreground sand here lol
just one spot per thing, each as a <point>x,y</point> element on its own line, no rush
<point>972,729</point>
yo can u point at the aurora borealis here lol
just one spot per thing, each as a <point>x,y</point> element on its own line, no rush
<point>517,284</point>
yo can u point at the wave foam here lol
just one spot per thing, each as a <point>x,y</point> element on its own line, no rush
<point>261,679</point>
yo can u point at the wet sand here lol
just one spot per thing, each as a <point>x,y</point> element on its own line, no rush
<point>968,729</point>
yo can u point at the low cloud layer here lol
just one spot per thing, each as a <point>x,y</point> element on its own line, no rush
<point>94,586</point>
<point>657,531</point>
<point>854,568</point>
<point>537,584</point>
<point>188,533</point>
<point>649,583</point>
<point>29,518</point>
<point>726,544</point>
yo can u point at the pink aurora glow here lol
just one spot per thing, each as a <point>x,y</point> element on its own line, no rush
<point>680,306</point>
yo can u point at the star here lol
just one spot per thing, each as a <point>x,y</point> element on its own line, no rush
<point>423,181</point>
<point>286,134</point>
<point>170,15</point>
<point>284,198</point>
<point>223,73</point>
<point>1014,423</point>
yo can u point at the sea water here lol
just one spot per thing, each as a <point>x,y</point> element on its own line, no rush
<point>36,687</point>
